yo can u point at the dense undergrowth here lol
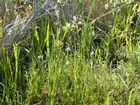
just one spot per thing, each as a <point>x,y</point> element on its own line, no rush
<point>72,62</point>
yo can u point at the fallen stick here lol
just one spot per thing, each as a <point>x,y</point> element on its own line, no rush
<point>36,14</point>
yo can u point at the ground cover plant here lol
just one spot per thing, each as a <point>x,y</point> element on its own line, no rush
<point>77,52</point>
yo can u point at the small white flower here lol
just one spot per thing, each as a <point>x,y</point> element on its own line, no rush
<point>118,9</point>
<point>106,6</point>
<point>139,87</point>
<point>40,57</point>
<point>68,49</point>
<point>115,5</point>
<point>67,63</point>
<point>80,23</point>
<point>74,18</point>
<point>92,53</point>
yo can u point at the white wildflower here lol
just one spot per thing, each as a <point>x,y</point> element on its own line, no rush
<point>68,49</point>
<point>92,53</point>
<point>40,57</point>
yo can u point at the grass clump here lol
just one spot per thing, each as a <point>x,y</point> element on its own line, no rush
<point>64,62</point>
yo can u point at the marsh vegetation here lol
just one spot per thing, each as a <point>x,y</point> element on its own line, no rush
<point>76,52</point>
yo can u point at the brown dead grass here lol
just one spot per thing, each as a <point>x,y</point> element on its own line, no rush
<point>68,11</point>
<point>98,8</point>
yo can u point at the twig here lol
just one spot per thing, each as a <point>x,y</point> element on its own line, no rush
<point>15,37</point>
<point>123,81</point>
<point>111,12</point>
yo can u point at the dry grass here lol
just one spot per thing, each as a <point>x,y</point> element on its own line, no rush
<point>67,10</point>
<point>61,13</point>
<point>97,9</point>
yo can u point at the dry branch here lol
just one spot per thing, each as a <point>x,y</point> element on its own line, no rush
<point>109,12</point>
<point>16,36</point>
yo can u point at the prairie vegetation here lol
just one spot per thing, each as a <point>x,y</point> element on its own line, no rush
<point>75,52</point>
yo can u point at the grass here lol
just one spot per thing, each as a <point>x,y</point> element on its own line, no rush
<point>58,65</point>
<point>0,27</point>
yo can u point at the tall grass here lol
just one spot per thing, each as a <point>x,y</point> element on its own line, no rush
<point>58,64</point>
